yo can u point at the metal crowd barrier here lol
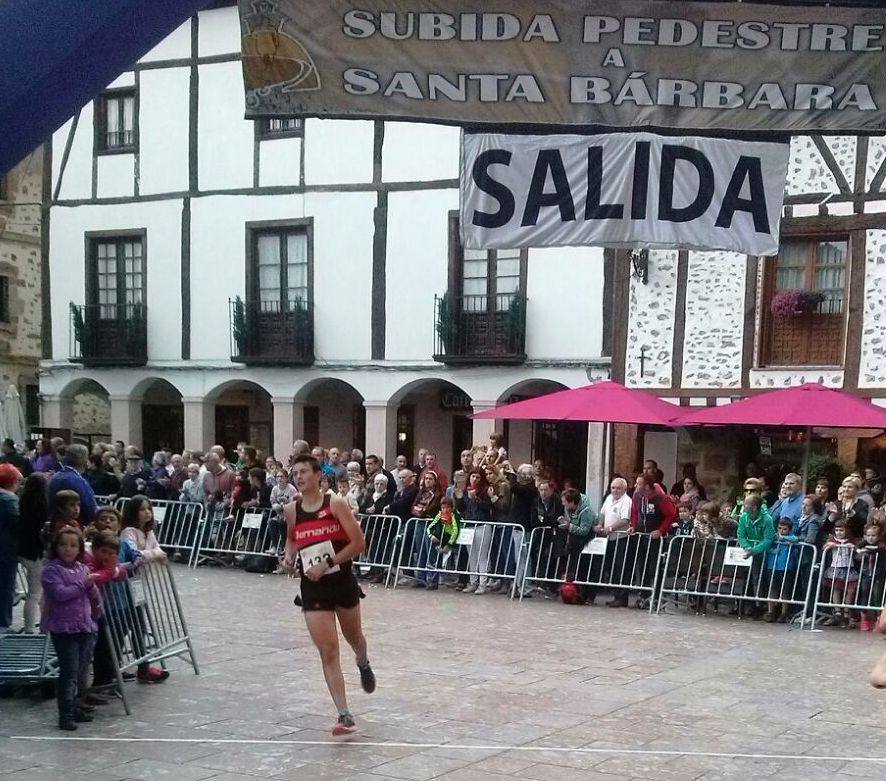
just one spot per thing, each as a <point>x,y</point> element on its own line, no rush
<point>177,526</point>
<point>698,570</point>
<point>483,551</point>
<point>27,659</point>
<point>20,589</point>
<point>143,621</point>
<point>382,533</point>
<point>850,582</point>
<point>621,561</point>
<point>105,501</point>
<point>247,531</point>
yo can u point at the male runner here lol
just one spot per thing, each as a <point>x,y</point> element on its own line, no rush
<point>322,533</point>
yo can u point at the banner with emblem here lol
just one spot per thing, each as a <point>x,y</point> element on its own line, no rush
<point>619,63</point>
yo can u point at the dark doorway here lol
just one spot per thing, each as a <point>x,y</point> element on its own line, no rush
<point>312,425</point>
<point>563,446</point>
<point>406,432</point>
<point>163,428</point>
<point>231,427</point>
<point>462,439</point>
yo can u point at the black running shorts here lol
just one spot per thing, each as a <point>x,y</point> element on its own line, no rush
<point>331,591</point>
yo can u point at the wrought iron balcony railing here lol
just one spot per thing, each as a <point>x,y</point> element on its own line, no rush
<point>109,334</point>
<point>271,333</point>
<point>480,329</point>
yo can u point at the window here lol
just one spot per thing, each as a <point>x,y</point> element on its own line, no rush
<point>116,126</point>
<point>117,276</point>
<point>273,127</point>
<point>4,300</point>
<point>490,279</point>
<point>281,269</point>
<point>815,334</point>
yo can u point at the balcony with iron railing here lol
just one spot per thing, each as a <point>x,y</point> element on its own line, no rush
<point>475,330</point>
<point>109,334</point>
<point>271,333</point>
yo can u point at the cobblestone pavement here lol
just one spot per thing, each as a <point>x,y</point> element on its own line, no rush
<point>476,688</point>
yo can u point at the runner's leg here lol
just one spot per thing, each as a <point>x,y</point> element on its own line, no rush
<point>352,629</point>
<point>324,634</point>
<point>878,674</point>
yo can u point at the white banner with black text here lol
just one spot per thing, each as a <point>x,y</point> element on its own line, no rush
<point>629,190</point>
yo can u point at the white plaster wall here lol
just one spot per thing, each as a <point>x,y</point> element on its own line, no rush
<point>417,267</point>
<point>279,161</point>
<point>77,177</point>
<point>115,175</point>
<point>163,130</point>
<point>219,31</point>
<point>174,46</point>
<point>125,79</point>
<point>224,138</point>
<point>651,321</point>
<point>337,151</point>
<point>415,152</point>
<point>564,288</point>
<point>218,262</point>
<point>343,229</point>
<point>342,267</point>
<point>872,365</point>
<point>162,220</point>
<point>712,345</point>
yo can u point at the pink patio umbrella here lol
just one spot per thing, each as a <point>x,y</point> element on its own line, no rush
<point>805,405</point>
<point>601,402</point>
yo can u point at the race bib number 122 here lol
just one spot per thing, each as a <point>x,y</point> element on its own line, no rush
<point>316,554</point>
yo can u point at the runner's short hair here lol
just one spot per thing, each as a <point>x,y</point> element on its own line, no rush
<point>307,458</point>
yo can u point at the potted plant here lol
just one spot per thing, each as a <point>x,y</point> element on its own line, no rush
<point>78,323</point>
<point>795,303</point>
<point>446,326</point>
<point>238,324</point>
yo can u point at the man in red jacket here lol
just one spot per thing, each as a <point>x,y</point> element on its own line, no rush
<point>652,516</point>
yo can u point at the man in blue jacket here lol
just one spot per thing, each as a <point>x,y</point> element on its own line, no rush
<point>70,478</point>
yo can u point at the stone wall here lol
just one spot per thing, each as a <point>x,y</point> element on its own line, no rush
<point>717,455</point>
<point>20,224</point>
<point>872,366</point>
<point>712,344</point>
<point>91,414</point>
<point>651,323</point>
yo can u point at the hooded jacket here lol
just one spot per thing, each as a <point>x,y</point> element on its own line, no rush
<point>581,520</point>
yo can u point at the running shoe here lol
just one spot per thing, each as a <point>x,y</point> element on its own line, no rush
<point>152,675</point>
<point>345,725</point>
<point>367,677</point>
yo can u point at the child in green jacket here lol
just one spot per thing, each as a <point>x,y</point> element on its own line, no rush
<point>442,535</point>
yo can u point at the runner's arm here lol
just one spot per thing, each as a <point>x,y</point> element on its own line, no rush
<point>356,541</point>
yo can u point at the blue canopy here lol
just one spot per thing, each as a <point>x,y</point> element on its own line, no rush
<point>56,55</point>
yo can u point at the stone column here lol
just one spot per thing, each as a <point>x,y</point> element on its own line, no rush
<point>56,411</point>
<point>595,475</point>
<point>289,425</point>
<point>483,428</point>
<point>381,430</point>
<point>126,420</point>
<point>199,423</point>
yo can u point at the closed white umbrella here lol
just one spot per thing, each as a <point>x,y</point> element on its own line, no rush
<point>12,418</point>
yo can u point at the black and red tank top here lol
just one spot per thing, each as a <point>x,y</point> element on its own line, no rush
<point>309,528</point>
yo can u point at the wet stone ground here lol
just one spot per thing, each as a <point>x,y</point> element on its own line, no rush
<point>475,687</point>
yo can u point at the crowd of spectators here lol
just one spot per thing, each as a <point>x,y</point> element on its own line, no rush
<point>638,512</point>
